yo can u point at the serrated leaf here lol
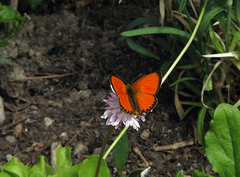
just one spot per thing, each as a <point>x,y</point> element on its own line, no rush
<point>120,153</point>
<point>89,165</point>
<point>223,141</point>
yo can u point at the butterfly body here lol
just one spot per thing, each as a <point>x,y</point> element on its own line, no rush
<point>139,97</point>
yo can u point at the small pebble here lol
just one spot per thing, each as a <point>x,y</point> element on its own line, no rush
<point>11,139</point>
<point>74,95</point>
<point>64,136</point>
<point>79,148</point>
<point>9,157</point>
<point>145,134</point>
<point>48,121</point>
<point>55,104</point>
<point>85,94</point>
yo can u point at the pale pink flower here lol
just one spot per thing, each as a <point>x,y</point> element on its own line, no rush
<point>116,116</point>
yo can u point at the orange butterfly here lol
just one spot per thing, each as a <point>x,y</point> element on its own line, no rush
<point>139,97</point>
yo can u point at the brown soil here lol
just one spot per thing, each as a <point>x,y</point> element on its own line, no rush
<point>84,38</point>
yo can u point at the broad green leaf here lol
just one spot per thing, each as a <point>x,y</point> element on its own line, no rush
<point>136,172</point>
<point>89,165</point>
<point>4,174</point>
<point>156,30</point>
<point>43,167</point>
<point>134,46</point>
<point>37,174</point>
<point>223,141</point>
<point>63,157</point>
<point>199,174</point>
<point>120,153</point>
<point>65,170</point>
<point>15,168</point>
<point>4,60</point>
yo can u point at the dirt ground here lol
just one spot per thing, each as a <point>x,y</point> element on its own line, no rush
<point>77,44</point>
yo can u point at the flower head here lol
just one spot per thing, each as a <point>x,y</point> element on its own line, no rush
<point>116,115</point>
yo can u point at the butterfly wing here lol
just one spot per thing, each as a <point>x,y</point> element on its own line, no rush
<point>146,88</point>
<point>119,87</point>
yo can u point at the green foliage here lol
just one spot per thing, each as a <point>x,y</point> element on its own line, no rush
<point>223,141</point>
<point>34,3</point>
<point>14,168</point>
<point>9,15</point>
<point>120,153</point>
<point>215,35</point>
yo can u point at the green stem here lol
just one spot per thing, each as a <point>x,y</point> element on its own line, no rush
<point>229,9</point>
<point>102,150</point>
<point>188,43</point>
<point>115,142</point>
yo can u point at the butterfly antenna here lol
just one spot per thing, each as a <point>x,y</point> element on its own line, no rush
<point>135,79</point>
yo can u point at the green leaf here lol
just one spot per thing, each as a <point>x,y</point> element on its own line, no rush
<point>89,165</point>
<point>5,61</point>
<point>43,167</point>
<point>134,46</point>
<point>15,168</point>
<point>184,79</point>
<point>63,157</point>
<point>140,21</point>
<point>34,3</point>
<point>136,172</point>
<point>179,174</point>
<point>66,170</point>
<point>4,43</point>
<point>120,153</point>
<point>157,30</point>
<point>182,6</point>
<point>223,141</point>
<point>206,20</point>
<point>215,40</point>
<point>36,174</point>
<point>8,14</point>
<point>199,174</point>
<point>200,125</point>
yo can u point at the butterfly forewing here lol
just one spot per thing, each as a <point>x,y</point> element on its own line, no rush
<point>119,88</point>
<point>146,88</point>
<point>149,83</point>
